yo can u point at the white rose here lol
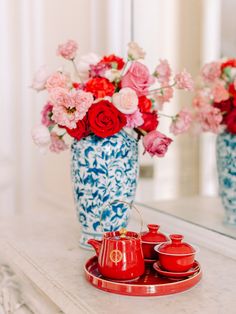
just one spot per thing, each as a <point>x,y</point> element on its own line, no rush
<point>112,74</point>
<point>40,78</point>
<point>41,137</point>
<point>135,51</point>
<point>126,100</point>
<point>84,62</point>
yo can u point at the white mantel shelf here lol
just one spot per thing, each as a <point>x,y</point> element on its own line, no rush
<point>41,248</point>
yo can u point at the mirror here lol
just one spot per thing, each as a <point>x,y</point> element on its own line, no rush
<point>184,183</point>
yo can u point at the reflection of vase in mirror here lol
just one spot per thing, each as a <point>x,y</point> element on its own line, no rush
<point>226,164</point>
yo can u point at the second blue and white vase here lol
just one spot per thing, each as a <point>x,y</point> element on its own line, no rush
<point>226,164</point>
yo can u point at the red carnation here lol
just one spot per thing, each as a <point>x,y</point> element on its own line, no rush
<point>81,130</point>
<point>228,63</point>
<point>100,87</point>
<point>144,104</point>
<point>150,121</point>
<point>104,119</point>
<point>113,61</point>
<point>231,122</point>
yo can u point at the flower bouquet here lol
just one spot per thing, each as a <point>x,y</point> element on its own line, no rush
<point>99,104</point>
<point>215,111</point>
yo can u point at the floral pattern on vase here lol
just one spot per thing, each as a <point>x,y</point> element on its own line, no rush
<point>226,164</point>
<point>104,173</point>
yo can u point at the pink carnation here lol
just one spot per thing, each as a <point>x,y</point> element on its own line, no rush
<point>210,119</point>
<point>156,143</point>
<point>41,137</point>
<point>164,96</point>
<point>184,80</point>
<point>219,92</point>
<point>68,50</point>
<point>98,70</point>
<point>70,107</point>
<point>181,123</point>
<point>57,143</point>
<point>47,115</point>
<point>134,120</point>
<point>40,78</point>
<point>57,79</point>
<point>163,72</point>
<point>202,98</point>
<point>211,71</point>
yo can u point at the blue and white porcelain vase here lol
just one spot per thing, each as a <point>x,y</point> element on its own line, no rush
<point>104,173</point>
<point>226,164</point>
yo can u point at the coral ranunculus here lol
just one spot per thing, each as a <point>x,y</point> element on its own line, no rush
<point>105,120</point>
<point>150,121</point>
<point>100,87</point>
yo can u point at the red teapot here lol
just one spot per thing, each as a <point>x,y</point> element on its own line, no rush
<point>120,255</point>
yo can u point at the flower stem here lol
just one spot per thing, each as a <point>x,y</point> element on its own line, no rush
<point>165,115</point>
<point>76,70</point>
<point>161,88</point>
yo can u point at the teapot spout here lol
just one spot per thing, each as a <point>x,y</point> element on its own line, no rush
<point>96,244</point>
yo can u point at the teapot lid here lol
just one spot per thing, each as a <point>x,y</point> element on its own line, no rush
<point>153,235</point>
<point>176,246</point>
<point>123,234</point>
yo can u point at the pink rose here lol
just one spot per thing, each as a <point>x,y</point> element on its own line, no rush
<point>210,119</point>
<point>156,143</point>
<point>219,92</point>
<point>57,79</point>
<point>134,120</point>
<point>181,122</point>
<point>163,72</point>
<point>41,137</point>
<point>68,50</point>
<point>40,78</point>
<point>57,143</point>
<point>184,80</point>
<point>135,52</point>
<point>126,101</point>
<point>138,78</point>
<point>47,115</point>
<point>211,71</point>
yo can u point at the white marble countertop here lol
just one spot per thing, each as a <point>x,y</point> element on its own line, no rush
<point>43,244</point>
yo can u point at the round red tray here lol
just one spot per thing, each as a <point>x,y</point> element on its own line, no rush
<point>149,284</point>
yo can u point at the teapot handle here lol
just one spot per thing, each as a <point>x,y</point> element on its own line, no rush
<point>131,205</point>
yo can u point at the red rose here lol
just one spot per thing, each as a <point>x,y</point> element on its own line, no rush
<point>150,121</point>
<point>113,60</point>
<point>81,130</point>
<point>225,107</point>
<point>104,119</point>
<point>228,63</point>
<point>100,87</point>
<point>231,122</point>
<point>144,104</point>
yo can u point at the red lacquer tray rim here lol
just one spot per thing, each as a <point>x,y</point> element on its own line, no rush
<point>133,289</point>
